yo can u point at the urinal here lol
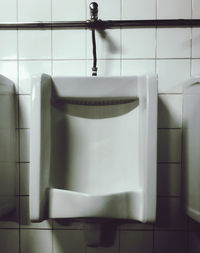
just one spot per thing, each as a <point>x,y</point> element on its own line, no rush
<point>93,147</point>
<point>191,148</point>
<point>7,146</point>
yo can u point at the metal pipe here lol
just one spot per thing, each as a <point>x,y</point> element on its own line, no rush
<point>103,24</point>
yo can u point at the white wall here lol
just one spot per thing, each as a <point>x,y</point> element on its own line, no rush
<point>172,53</point>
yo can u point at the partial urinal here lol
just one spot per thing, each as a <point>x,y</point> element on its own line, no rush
<point>7,146</point>
<point>191,147</point>
<point>93,148</point>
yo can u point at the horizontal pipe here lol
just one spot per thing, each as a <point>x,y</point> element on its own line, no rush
<point>106,24</point>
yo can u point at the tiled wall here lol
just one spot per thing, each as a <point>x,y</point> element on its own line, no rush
<point>172,53</point>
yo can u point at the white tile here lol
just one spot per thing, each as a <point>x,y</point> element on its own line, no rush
<point>173,241</point>
<point>11,220</point>
<point>27,69</point>
<point>69,68</point>
<point>68,10</point>
<point>170,111</point>
<point>105,67</point>
<point>69,44</point>
<point>169,145</point>
<point>17,180</point>
<point>138,43</point>
<point>67,241</point>
<point>9,241</point>
<point>136,241</point>
<point>169,180</point>
<point>34,44</point>
<point>194,242</point>
<point>24,145</point>
<point>195,9</point>
<point>107,10</point>
<point>195,42</point>
<point>172,74</point>
<point>173,9</point>
<point>35,241</point>
<point>24,178</point>
<point>25,221</point>
<point>34,10</point>
<point>8,44</point>
<point>173,42</point>
<point>138,9</point>
<point>24,111</point>
<point>170,214</point>
<point>195,68</point>
<point>9,70</point>
<point>138,67</point>
<point>8,11</point>
<point>107,44</point>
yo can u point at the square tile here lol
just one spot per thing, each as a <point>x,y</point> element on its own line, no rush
<point>66,44</point>
<point>169,145</point>
<point>24,145</point>
<point>170,214</point>
<point>27,69</point>
<point>195,9</point>
<point>195,42</point>
<point>170,111</point>
<point>105,67</point>
<point>173,42</point>
<point>11,220</point>
<point>172,74</point>
<point>169,180</point>
<point>67,241</point>
<point>68,10</point>
<point>172,242</point>
<point>25,221</point>
<point>136,241</point>
<point>34,10</point>
<point>35,241</point>
<point>138,67</point>
<point>107,44</point>
<point>69,68</point>
<point>34,44</point>
<point>195,68</point>
<point>194,242</point>
<point>8,44</point>
<point>108,10</point>
<point>9,241</point>
<point>138,9</point>
<point>8,11</point>
<point>194,225</point>
<point>24,178</point>
<point>105,249</point>
<point>173,9</point>
<point>24,111</point>
<point>9,70</point>
<point>138,43</point>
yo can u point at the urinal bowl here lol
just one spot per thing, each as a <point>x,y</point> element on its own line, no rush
<point>7,146</point>
<point>93,148</point>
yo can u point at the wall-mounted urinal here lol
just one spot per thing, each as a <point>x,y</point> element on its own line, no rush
<point>7,146</point>
<point>93,147</point>
<point>191,148</point>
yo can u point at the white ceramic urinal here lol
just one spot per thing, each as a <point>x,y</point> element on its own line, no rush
<point>93,147</point>
<point>7,146</point>
<point>191,147</point>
